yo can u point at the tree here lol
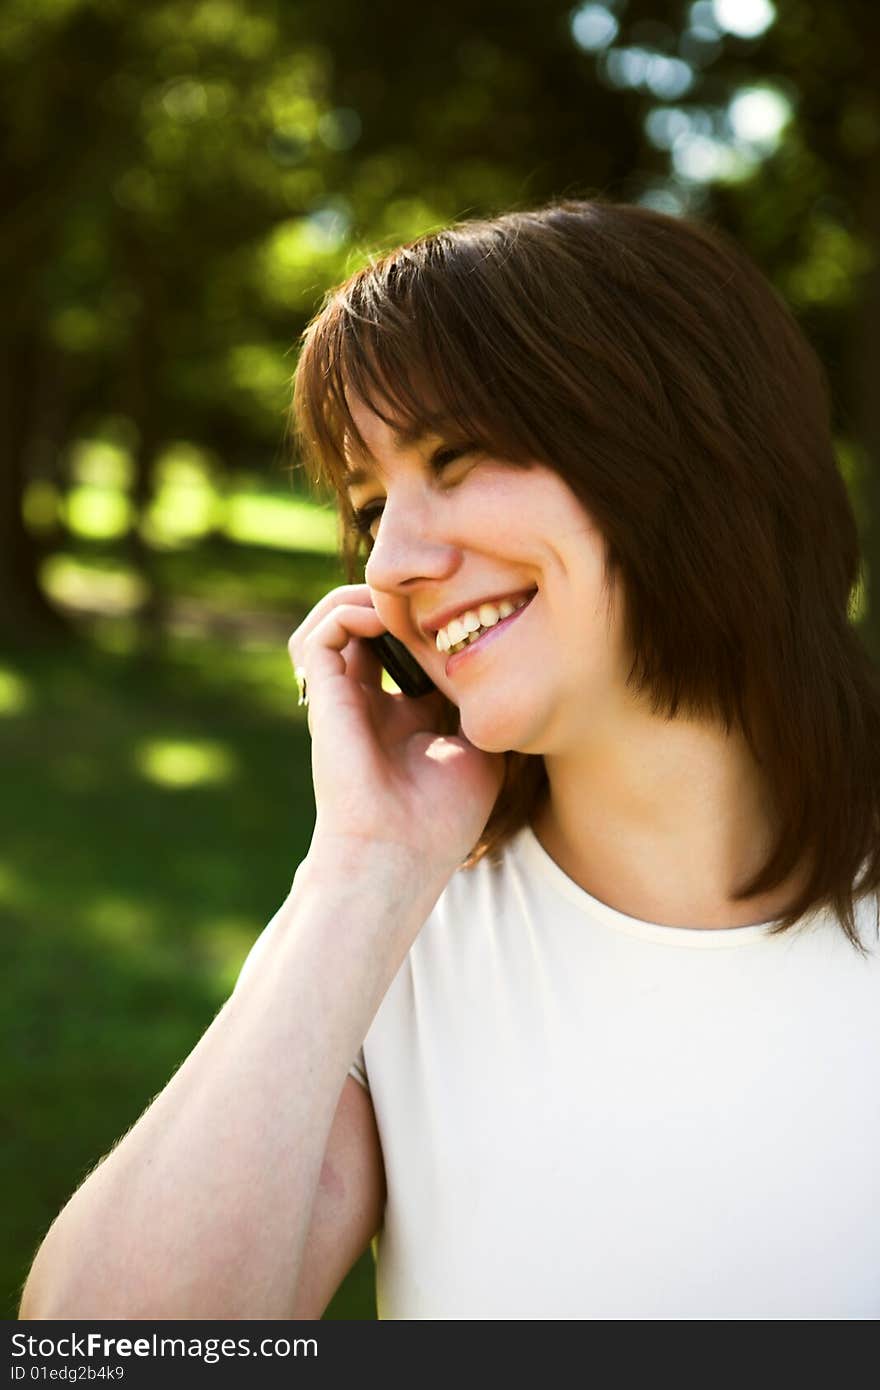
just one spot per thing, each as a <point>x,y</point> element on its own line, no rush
<point>189,178</point>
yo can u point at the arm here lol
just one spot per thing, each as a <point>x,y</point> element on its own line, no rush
<point>349,1203</point>
<point>212,1205</point>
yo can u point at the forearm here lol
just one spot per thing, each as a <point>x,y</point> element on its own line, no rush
<point>202,1210</point>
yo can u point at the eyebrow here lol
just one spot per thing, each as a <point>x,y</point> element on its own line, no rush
<point>404,437</point>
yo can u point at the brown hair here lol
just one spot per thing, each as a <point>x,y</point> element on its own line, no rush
<point>649,362</point>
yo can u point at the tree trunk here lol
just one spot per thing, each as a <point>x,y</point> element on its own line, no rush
<point>26,613</point>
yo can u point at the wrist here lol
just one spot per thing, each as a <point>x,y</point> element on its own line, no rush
<point>361,906</point>
<point>365,858</point>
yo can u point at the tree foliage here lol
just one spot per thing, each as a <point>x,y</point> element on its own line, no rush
<point>186,179</point>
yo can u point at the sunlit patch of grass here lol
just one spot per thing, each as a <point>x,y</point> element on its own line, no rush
<point>290,523</point>
<point>187,503</point>
<point>192,500</point>
<point>15,693</point>
<point>98,462</point>
<point>72,583</point>
<point>179,763</point>
<point>99,513</point>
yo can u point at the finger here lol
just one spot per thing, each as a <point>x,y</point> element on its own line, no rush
<point>364,663</point>
<point>344,594</point>
<point>323,659</point>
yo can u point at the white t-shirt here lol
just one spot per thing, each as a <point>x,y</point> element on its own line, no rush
<point>583,1115</point>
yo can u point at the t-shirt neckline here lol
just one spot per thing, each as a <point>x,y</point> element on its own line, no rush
<point>699,938</point>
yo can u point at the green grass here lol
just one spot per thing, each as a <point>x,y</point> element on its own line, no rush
<point>155,806</point>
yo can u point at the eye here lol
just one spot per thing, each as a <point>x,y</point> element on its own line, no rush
<point>363,518</point>
<point>442,458</point>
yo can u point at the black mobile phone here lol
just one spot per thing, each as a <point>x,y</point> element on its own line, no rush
<point>401,665</point>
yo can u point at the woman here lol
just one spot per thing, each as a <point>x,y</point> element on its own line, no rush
<point>598,907</point>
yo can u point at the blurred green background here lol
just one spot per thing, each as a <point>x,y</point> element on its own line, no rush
<point>183,181</point>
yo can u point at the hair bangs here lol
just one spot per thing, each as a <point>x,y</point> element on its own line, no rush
<point>417,362</point>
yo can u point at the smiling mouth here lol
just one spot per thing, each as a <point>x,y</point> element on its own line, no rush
<point>471,638</point>
<point>485,636</point>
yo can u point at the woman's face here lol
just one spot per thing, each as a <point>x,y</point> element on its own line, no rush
<point>455,530</point>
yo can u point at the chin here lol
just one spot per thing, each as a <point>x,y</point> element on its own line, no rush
<point>490,736</point>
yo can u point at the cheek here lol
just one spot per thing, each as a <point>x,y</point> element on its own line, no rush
<point>385,607</point>
<point>395,617</point>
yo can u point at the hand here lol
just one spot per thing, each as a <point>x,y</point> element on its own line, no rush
<point>384,768</point>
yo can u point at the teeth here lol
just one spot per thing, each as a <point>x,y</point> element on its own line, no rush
<point>470,625</point>
<point>472,620</point>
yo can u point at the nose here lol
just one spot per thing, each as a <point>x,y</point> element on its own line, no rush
<point>409,548</point>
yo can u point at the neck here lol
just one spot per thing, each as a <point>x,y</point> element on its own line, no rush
<point>664,825</point>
